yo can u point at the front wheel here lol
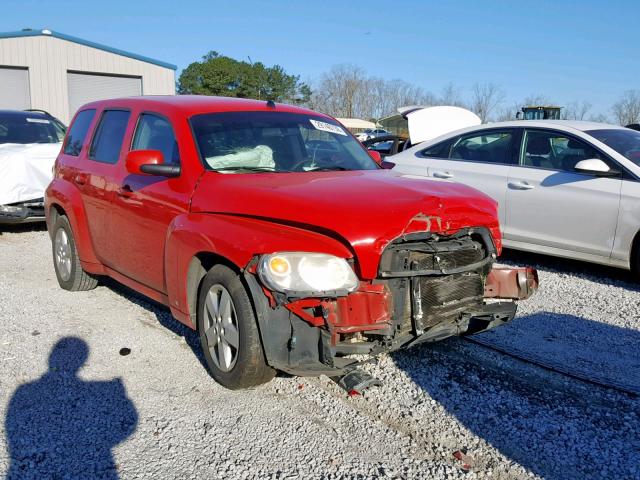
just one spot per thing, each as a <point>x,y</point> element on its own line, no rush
<point>66,261</point>
<point>229,333</point>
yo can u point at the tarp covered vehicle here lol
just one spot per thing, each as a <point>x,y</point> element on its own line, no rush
<point>29,144</point>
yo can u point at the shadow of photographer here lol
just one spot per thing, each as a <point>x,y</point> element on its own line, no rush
<point>61,426</point>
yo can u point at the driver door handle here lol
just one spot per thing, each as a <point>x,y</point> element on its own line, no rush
<point>441,174</point>
<point>125,191</point>
<point>520,185</point>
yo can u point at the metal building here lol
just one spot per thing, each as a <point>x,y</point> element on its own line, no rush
<point>47,70</point>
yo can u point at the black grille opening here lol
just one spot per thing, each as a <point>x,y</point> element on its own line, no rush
<point>423,299</point>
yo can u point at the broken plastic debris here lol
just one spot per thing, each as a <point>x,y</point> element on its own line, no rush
<point>124,351</point>
<point>467,460</point>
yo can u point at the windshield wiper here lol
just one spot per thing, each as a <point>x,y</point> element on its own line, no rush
<point>246,168</point>
<point>328,169</point>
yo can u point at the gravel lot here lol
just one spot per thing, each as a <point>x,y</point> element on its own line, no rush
<point>155,413</point>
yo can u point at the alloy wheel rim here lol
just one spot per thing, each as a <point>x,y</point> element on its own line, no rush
<point>62,254</point>
<point>221,327</point>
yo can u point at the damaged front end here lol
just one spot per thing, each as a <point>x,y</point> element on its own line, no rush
<point>429,287</point>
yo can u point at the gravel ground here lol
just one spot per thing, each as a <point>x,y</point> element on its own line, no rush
<point>72,405</point>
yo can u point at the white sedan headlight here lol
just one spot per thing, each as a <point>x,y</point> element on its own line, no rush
<point>306,274</point>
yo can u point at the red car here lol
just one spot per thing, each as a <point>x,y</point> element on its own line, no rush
<point>274,233</point>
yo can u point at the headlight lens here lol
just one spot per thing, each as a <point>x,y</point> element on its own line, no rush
<point>306,274</point>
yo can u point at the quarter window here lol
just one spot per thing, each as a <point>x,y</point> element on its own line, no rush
<point>109,135</point>
<point>491,147</point>
<point>440,150</point>
<point>78,132</point>
<point>155,133</point>
<point>555,151</point>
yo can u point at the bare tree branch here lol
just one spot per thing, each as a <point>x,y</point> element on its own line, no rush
<point>576,111</point>
<point>627,109</point>
<point>485,98</point>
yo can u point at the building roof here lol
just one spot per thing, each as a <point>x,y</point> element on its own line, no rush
<point>87,43</point>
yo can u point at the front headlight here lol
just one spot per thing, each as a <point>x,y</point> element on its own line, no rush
<point>306,274</point>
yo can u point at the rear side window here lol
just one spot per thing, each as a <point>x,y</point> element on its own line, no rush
<point>490,147</point>
<point>439,150</point>
<point>109,135</point>
<point>155,133</point>
<point>78,132</point>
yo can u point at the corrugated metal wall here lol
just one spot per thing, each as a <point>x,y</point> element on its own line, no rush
<point>49,59</point>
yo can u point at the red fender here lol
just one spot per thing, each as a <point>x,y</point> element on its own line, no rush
<point>238,240</point>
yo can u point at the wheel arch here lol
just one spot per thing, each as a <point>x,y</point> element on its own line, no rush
<point>63,198</point>
<point>198,267</point>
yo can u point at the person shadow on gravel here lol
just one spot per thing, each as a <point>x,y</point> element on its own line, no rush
<point>61,426</point>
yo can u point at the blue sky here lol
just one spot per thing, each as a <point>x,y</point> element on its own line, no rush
<point>567,51</point>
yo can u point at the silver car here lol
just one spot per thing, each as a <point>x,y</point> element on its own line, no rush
<point>564,188</point>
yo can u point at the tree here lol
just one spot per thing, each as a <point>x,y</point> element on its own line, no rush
<point>451,95</point>
<point>485,98</point>
<point>627,109</point>
<point>576,111</point>
<point>347,91</point>
<point>342,91</point>
<point>226,77</point>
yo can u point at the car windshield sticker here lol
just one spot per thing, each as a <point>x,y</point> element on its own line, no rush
<point>327,127</point>
<point>37,120</point>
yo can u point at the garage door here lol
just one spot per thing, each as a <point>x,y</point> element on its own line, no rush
<point>85,87</point>
<point>14,89</point>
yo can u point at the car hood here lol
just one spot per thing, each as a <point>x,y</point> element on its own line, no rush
<point>365,210</point>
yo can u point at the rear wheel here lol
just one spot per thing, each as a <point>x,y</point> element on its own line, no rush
<point>228,331</point>
<point>66,262</point>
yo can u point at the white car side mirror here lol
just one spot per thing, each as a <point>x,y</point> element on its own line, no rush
<point>593,166</point>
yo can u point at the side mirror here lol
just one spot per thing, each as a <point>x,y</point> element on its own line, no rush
<point>376,156</point>
<point>594,166</point>
<point>150,162</point>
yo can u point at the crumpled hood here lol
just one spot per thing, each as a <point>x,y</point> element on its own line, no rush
<point>25,170</point>
<point>365,210</point>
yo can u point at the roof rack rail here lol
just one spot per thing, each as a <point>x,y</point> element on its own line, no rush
<point>38,110</point>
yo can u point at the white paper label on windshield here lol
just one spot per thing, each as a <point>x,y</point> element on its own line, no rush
<point>327,127</point>
<point>37,120</point>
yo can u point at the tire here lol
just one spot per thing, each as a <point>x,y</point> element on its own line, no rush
<point>229,332</point>
<point>66,262</point>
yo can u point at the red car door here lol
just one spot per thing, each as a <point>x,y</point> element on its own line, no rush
<point>94,172</point>
<point>144,206</point>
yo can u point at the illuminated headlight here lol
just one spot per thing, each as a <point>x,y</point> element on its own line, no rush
<point>306,274</point>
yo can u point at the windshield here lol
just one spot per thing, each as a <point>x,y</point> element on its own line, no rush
<point>239,142</point>
<point>624,141</point>
<point>20,128</point>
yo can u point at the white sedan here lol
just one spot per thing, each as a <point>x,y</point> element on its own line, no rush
<point>564,188</point>
<point>372,133</point>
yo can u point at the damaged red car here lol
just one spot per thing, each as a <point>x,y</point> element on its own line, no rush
<point>274,233</point>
